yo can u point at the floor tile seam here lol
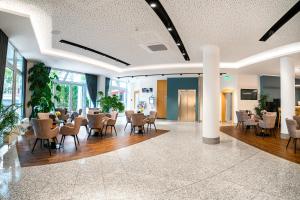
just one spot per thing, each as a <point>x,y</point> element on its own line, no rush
<point>209,177</point>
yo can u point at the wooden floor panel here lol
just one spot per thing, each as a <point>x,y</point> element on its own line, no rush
<point>93,146</point>
<point>275,146</point>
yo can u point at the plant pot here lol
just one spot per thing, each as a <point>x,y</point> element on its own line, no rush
<point>10,138</point>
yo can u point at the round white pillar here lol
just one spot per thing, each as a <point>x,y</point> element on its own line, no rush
<point>287,93</point>
<point>211,94</point>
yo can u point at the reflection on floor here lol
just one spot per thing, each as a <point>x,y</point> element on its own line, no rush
<point>175,165</point>
<point>96,144</point>
<point>275,146</point>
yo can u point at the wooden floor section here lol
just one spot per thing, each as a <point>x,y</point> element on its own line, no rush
<point>93,146</point>
<point>275,146</point>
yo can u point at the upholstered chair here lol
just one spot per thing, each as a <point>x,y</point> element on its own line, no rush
<point>76,114</point>
<point>128,114</point>
<point>43,115</point>
<point>64,115</point>
<point>293,132</point>
<point>268,123</point>
<point>43,131</point>
<point>297,119</point>
<point>138,120</point>
<point>150,120</point>
<point>71,130</point>
<point>242,117</point>
<point>111,122</point>
<point>95,122</point>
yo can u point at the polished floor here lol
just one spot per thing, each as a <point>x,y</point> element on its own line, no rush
<point>270,144</point>
<point>175,165</point>
<point>96,144</point>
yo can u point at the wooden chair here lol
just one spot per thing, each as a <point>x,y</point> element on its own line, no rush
<point>43,131</point>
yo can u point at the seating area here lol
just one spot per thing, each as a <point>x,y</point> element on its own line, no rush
<point>149,99</point>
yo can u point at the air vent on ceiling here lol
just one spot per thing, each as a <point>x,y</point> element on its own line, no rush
<point>157,47</point>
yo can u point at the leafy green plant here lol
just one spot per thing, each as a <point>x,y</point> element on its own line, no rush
<point>8,118</point>
<point>41,83</point>
<point>110,102</point>
<point>262,104</point>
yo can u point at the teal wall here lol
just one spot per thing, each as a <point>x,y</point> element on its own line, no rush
<point>175,84</point>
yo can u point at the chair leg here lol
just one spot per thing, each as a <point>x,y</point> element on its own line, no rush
<point>125,126</point>
<point>34,145</point>
<point>115,130</point>
<point>89,133</point>
<point>61,140</point>
<point>75,142</point>
<point>49,146</point>
<point>86,128</point>
<point>288,143</point>
<point>295,147</point>
<point>155,127</point>
<point>105,130</point>
<point>77,139</point>
<point>41,143</point>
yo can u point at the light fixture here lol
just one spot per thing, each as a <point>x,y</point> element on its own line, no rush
<point>170,29</point>
<point>183,54</point>
<point>178,44</point>
<point>153,5</point>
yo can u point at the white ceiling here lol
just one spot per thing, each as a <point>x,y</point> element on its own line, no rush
<point>121,27</point>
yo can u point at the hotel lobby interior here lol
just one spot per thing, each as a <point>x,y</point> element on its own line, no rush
<point>149,99</point>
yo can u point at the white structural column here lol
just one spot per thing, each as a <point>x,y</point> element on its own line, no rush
<point>287,92</point>
<point>211,94</point>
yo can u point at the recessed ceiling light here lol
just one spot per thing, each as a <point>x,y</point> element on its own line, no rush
<point>153,5</point>
<point>178,44</point>
<point>183,54</point>
<point>170,29</point>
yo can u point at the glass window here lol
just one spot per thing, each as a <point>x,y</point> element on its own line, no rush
<point>10,54</point>
<point>7,97</point>
<point>63,95</point>
<point>19,62</point>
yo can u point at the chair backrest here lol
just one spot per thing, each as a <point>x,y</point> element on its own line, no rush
<point>43,115</point>
<point>297,119</point>
<point>95,120</point>
<point>42,127</point>
<point>153,114</point>
<point>114,115</point>
<point>80,111</point>
<point>77,124</point>
<point>128,114</point>
<point>269,120</point>
<point>137,119</point>
<point>291,126</point>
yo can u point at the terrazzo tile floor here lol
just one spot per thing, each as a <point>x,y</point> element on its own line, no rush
<point>175,165</point>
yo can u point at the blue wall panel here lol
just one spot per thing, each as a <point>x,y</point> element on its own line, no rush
<point>175,84</point>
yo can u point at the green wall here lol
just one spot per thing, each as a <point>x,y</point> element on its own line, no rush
<point>175,84</point>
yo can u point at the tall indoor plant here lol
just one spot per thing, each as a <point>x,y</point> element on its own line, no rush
<point>41,83</point>
<point>108,103</point>
<point>262,104</point>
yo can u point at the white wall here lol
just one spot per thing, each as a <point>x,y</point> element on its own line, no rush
<point>238,82</point>
<point>136,84</point>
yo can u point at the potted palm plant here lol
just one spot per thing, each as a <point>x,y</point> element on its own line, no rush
<point>8,120</point>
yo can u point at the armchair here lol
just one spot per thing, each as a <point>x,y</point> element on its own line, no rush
<point>128,114</point>
<point>95,122</point>
<point>111,122</point>
<point>138,120</point>
<point>71,130</point>
<point>42,131</point>
<point>268,123</point>
<point>151,120</point>
<point>293,132</point>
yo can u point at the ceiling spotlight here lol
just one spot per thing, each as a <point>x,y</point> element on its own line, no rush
<point>170,29</point>
<point>153,5</point>
<point>178,44</point>
<point>183,54</point>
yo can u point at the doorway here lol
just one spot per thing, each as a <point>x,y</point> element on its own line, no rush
<point>187,105</point>
<point>227,106</point>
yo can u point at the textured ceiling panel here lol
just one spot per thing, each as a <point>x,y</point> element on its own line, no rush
<point>121,27</point>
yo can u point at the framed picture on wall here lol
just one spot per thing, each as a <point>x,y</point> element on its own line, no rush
<point>249,94</point>
<point>147,90</point>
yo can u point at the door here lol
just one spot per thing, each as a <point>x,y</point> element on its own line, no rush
<point>227,106</point>
<point>161,102</point>
<point>187,105</point>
